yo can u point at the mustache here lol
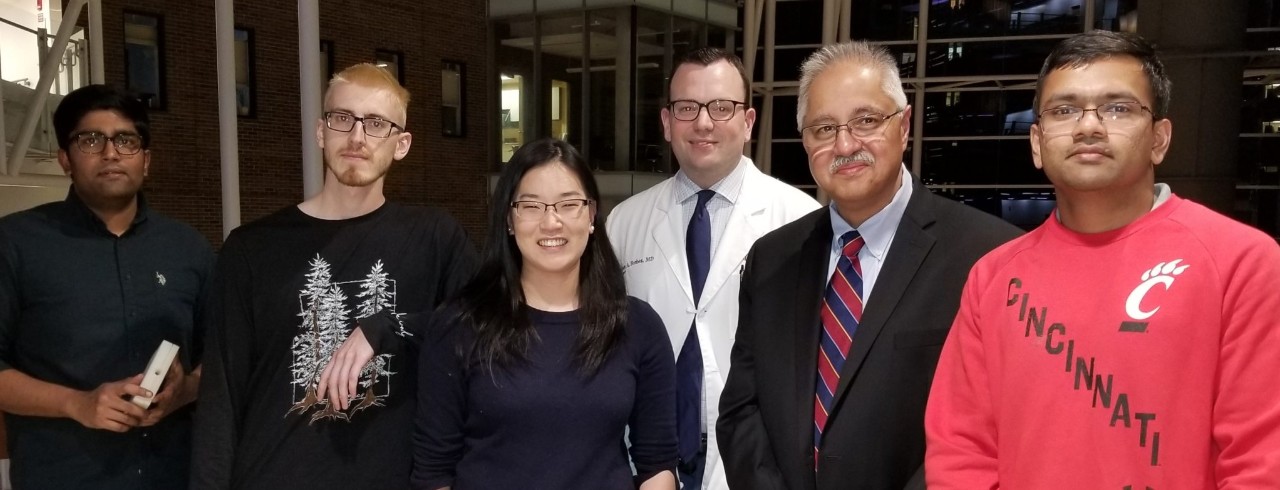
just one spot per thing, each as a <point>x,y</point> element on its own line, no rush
<point>861,157</point>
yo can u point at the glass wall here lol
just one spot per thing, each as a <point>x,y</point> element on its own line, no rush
<point>594,73</point>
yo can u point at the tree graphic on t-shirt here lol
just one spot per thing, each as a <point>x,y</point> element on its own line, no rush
<point>377,295</point>
<point>325,325</point>
<point>307,344</point>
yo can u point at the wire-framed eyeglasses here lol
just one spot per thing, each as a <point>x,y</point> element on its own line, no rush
<point>717,110</point>
<point>861,127</point>
<point>1120,115</point>
<point>536,210</point>
<point>376,127</point>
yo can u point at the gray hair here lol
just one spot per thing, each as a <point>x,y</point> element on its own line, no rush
<point>859,52</point>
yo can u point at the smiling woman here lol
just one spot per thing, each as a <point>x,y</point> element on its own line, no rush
<point>544,346</point>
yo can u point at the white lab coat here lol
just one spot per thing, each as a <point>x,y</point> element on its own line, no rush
<point>647,232</point>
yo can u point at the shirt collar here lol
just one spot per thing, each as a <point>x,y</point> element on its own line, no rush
<point>878,230</point>
<point>728,188</point>
<point>90,219</point>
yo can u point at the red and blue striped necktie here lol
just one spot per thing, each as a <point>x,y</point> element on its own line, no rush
<point>841,312</point>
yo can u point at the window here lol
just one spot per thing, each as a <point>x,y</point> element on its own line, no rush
<point>452,95</point>
<point>326,60</point>
<point>392,61</point>
<point>144,57</point>
<point>245,103</point>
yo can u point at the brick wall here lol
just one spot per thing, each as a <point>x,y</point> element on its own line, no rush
<point>185,179</point>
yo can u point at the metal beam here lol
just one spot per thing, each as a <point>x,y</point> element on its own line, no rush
<point>764,151</point>
<point>48,72</point>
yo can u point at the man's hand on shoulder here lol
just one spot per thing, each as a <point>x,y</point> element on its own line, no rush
<point>107,406</point>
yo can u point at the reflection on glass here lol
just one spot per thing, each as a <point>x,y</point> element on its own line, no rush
<point>881,20</point>
<point>244,72</point>
<point>512,131</point>
<point>981,18</point>
<point>451,98</point>
<point>973,113</point>
<point>653,34</point>
<point>143,58</point>
<point>561,58</point>
<point>513,61</point>
<point>979,162</point>
<point>986,58</point>
<point>609,59</point>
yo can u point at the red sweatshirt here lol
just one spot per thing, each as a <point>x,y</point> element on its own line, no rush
<point>1146,357</point>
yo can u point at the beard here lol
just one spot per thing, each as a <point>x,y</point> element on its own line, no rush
<point>360,177</point>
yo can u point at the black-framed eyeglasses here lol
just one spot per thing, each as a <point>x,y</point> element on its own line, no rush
<point>717,110</point>
<point>863,126</point>
<point>1119,115</point>
<point>95,142</point>
<point>376,127</point>
<point>536,210</point>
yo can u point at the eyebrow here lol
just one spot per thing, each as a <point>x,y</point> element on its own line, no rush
<point>857,111</point>
<point>1072,97</point>
<point>366,116</point>
<point>563,195</point>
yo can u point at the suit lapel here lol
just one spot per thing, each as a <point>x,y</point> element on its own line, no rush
<point>911,244</point>
<point>810,282</point>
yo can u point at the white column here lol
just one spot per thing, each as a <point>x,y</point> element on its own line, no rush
<point>228,126</point>
<point>97,73</point>
<point>309,79</point>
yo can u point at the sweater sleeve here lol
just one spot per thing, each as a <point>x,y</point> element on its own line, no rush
<point>960,428</point>
<point>226,372</point>
<point>653,414</point>
<point>456,261</point>
<point>442,406</point>
<point>1246,409</point>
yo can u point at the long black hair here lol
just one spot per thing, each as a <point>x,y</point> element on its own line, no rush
<point>493,303</point>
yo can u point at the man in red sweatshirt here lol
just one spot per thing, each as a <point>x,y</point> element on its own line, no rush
<point>1132,340</point>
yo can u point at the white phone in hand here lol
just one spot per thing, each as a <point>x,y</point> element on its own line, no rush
<point>157,368</point>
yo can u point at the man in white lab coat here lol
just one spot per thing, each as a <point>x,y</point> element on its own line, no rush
<point>682,243</point>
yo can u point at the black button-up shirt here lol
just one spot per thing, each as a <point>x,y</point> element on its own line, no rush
<point>80,307</point>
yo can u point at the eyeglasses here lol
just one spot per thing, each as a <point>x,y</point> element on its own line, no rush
<point>536,210</point>
<point>1113,115</point>
<point>717,110</point>
<point>373,126</point>
<point>95,142</point>
<point>861,127</point>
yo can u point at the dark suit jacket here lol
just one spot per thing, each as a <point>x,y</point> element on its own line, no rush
<point>875,433</point>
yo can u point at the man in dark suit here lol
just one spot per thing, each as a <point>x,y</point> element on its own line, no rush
<point>844,311</point>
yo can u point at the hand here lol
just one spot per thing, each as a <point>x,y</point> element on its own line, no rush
<point>107,406</point>
<point>340,376</point>
<point>176,391</point>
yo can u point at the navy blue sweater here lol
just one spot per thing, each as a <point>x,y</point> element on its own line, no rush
<point>542,424</point>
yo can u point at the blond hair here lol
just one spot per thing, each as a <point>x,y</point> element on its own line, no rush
<point>372,76</point>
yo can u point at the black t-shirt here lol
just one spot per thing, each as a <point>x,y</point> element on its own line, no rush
<point>80,307</point>
<point>542,424</point>
<point>290,288</point>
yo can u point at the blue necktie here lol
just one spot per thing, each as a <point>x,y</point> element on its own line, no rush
<point>697,246</point>
<point>841,313</point>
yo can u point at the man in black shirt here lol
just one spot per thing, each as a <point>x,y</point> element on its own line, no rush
<point>312,373</point>
<point>88,288</point>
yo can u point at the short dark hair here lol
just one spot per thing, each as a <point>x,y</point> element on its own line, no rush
<point>89,98</point>
<point>493,303</point>
<point>1082,49</point>
<point>707,56</point>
